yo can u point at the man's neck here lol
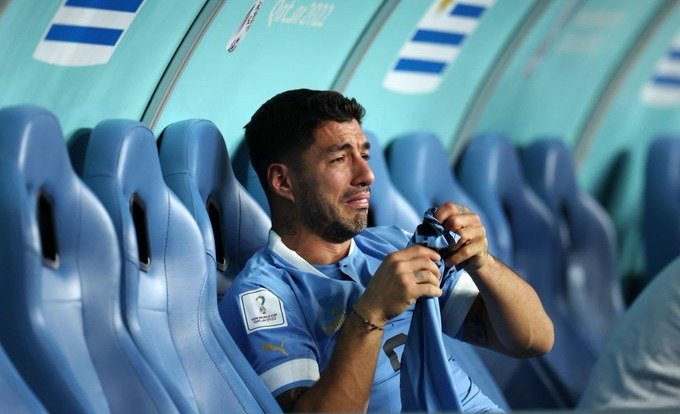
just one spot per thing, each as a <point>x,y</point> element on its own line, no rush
<point>313,248</point>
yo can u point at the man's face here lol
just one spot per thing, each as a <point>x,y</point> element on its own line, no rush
<point>332,184</point>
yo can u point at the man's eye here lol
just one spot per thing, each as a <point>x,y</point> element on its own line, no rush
<point>366,157</point>
<point>337,160</point>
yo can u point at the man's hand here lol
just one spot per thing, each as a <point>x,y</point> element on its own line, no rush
<point>403,277</point>
<point>471,250</point>
<point>508,312</point>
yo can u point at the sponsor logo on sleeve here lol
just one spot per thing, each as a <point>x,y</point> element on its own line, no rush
<point>663,88</point>
<point>86,32</point>
<point>434,45</point>
<point>261,309</point>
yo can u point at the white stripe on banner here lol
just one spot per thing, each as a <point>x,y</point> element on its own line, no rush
<point>446,22</point>
<point>434,45</point>
<point>411,82</point>
<point>663,87</point>
<point>86,33</point>
<point>80,16</point>
<point>483,3</point>
<point>72,54</point>
<point>669,67</point>
<point>425,51</point>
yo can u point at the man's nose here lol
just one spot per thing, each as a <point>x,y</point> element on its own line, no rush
<point>363,174</point>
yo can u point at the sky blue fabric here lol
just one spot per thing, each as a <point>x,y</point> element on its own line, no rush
<point>427,383</point>
<point>285,315</point>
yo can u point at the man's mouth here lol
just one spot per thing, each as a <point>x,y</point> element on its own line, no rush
<point>358,200</point>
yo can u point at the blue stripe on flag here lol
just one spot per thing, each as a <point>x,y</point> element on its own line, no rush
<point>667,81</point>
<point>413,65</point>
<point>82,34</point>
<point>674,54</point>
<point>434,36</point>
<point>467,10</point>
<point>116,5</point>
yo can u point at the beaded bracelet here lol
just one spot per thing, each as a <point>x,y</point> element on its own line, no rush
<point>369,325</point>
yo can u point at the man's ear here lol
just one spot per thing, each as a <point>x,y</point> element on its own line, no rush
<point>278,177</point>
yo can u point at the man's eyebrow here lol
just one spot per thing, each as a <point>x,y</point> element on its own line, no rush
<point>343,147</point>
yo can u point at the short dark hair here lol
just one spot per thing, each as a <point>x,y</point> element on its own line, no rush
<point>282,128</point>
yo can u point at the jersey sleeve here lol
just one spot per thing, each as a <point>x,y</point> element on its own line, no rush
<point>459,291</point>
<point>269,328</point>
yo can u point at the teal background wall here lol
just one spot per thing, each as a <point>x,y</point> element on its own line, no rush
<point>563,67</point>
<point>83,96</point>
<point>613,165</point>
<point>443,110</point>
<point>275,55</point>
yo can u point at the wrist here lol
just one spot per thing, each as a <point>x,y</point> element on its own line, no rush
<point>368,312</point>
<point>483,264</point>
<point>367,324</point>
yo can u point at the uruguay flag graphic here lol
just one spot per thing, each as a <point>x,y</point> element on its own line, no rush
<point>663,88</point>
<point>86,32</point>
<point>434,45</point>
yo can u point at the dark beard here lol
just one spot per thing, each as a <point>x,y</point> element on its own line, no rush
<point>322,220</point>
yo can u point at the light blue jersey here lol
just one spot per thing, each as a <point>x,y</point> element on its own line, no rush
<point>285,315</point>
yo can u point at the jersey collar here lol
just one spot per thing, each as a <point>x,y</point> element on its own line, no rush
<point>276,245</point>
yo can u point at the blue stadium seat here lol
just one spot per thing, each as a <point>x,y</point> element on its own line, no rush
<point>246,175</point>
<point>588,239</point>
<point>661,217</point>
<point>15,396</point>
<point>489,169</point>
<point>61,325</point>
<point>197,168</point>
<point>422,171</point>
<point>165,273</point>
<point>389,207</point>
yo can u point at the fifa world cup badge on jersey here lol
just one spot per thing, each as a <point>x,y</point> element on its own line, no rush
<point>261,309</point>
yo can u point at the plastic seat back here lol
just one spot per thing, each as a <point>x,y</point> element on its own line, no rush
<point>422,171</point>
<point>165,273</point>
<point>587,235</point>
<point>387,206</point>
<point>62,325</point>
<point>661,217</point>
<point>490,172</point>
<point>196,167</point>
<point>15,396</point>
<point>246,175</point>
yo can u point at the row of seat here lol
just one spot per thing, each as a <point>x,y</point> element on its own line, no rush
<point>149,329</point>
<point>108,286</point>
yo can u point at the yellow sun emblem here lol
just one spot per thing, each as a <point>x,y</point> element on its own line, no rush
<point>444,4</point>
